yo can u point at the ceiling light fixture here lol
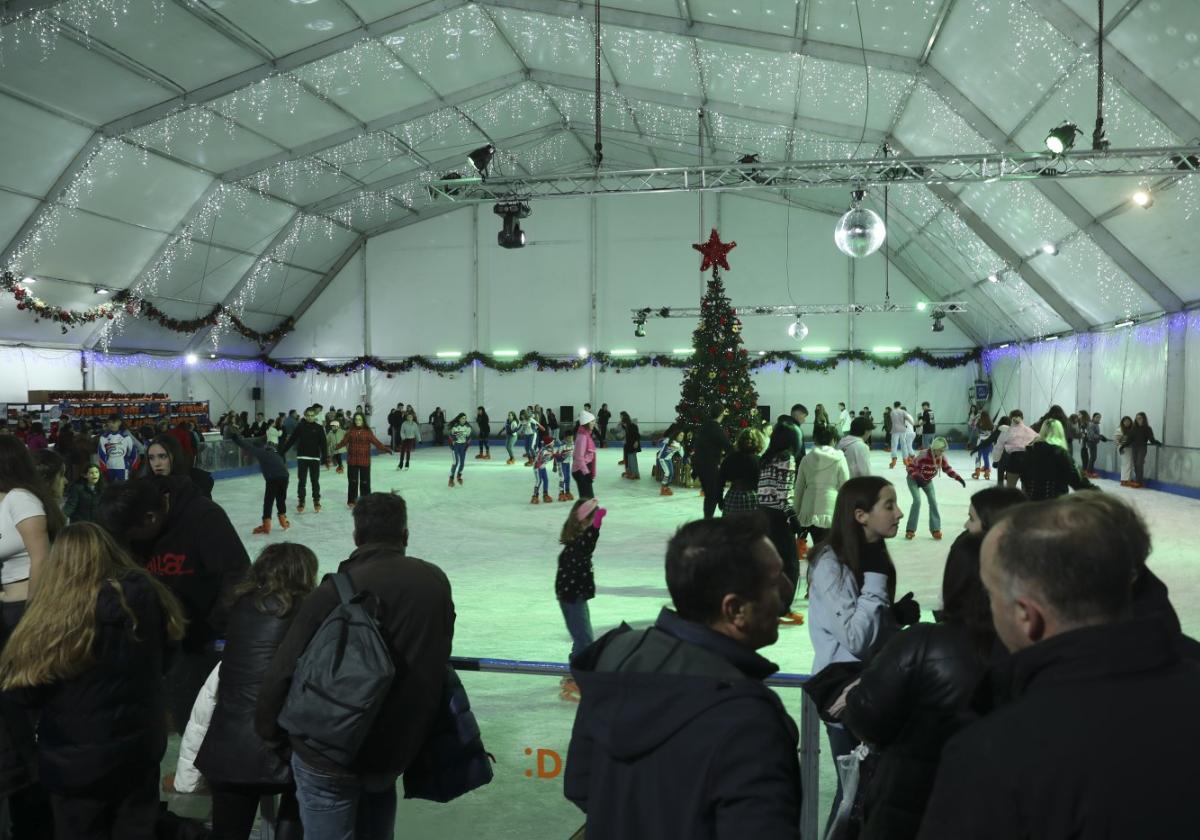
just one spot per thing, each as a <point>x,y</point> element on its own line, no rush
<point>859,232</point>
<point>684,351</point>
<point>639,329</point>
<point>814,350</point>
<point>100,290</point>
<point>1050,249</point>
<point>939,321</point>
<point>1128,322</point>
<point>1143,198</point>
<point>511,235</point>
<point>191,358</point>
<point>28,280</point>
<point>481,159</point>
<point>1060,140</point>
<point>921,306</point>
<point>886,350</point>
<point>994,277</point>
<point>583,352</point>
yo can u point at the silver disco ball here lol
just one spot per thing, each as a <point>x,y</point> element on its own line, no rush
<point>798,330</point>
<point>859,233</point>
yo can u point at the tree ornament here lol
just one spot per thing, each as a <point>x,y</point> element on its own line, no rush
<point>714,252</point>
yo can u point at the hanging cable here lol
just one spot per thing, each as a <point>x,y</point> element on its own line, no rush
<point>1099,141</point>
<point>599,146</point>
<point>862,42</point>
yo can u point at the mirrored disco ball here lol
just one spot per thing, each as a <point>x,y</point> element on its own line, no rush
<point>859,233</point>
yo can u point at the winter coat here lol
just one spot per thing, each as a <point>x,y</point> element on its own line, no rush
<point>334,438</point>
<point>412,602</point>
<point>82,503</point>
<point>409,430</point>
<point>926,466</point>
<point>106,726</point>
<point>1101,717</point>
<point>583,459</point>
<point>818,479</point>
<point>1140,437</point>
<point>911,698</point>
<point>858,455</point>
<point>187,778</point>
<point>711,444</point>
<point>1048,471</point>
<point>485,425</point>
<point>359,442</point>
<point>309,440</point>
<point>199,557</point>
<point>232,753</point>
<point>926,419</point>
<point>777,483</point>
<point>846,622</point>
<point>36,442</point>
<point>576,577</point>
<point>460,433</point>
<point>1014,437</point>
<point>741,469</point>
<point>678,737</point>
<point>633,439</point>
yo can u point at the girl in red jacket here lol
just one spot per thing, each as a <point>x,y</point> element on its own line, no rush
<point>358,440</point>
<point>922,470</point>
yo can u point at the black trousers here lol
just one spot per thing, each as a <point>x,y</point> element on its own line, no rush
<point>603,433</point>
<point>779,532</point>
<point>583,481</point>
<point>485,447</point>
<point>128,813</point>
<point>275,493</point>
<point>235,806</point>
<point>360,482</point>
<point>312,469</point>
<point>710,483</point>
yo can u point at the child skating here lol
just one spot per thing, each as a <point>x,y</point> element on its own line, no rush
<point>575,581</point>
<point>672,445</point>
<point>543,462</point>
<point>275,480</point>
<point>564,448</point>
<point>922,470</point>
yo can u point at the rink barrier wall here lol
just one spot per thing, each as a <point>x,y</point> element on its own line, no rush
<point>810,724</point>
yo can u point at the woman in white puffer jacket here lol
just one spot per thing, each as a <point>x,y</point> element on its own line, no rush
<point>822,473</point>
<point>187,778</point>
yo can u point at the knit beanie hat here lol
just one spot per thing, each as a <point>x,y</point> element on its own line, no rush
<point>586,417</point>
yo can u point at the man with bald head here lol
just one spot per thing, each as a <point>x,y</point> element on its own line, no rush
<point>1098,738</point>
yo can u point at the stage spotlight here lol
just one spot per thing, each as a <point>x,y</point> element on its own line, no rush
<point>798,329</point>
<point>191,358</point>
<point>481,159</point>
<point>639,329</point>
<point>511,235</point>
<point>1050,249</point>
<point>1143,198</point>
<point>938,320</point>
<point>994,277</point>
<point>1062,139</point>
<point>921,306</point>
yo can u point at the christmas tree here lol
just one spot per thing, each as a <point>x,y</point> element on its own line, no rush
<point>720,373</point>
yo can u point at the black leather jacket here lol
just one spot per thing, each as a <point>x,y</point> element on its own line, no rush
<point>232,752</point>
<point>913,696</point>
<point>1048,472</point>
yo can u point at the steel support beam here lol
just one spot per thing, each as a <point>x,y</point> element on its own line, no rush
<point>1057,195</point>
<point>322,284</point>
<point>280,237</point>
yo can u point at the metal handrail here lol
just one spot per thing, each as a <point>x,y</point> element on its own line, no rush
<point>810,724</point>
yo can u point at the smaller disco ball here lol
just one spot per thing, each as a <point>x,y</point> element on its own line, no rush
<point>798,330</point>
<point>859,233</point>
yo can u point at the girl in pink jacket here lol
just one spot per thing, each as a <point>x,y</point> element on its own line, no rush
<point>583,460</point>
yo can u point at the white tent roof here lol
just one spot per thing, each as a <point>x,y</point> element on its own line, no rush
<point>234,151</point>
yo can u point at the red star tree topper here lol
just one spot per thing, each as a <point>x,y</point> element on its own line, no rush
<point>719,373</point>
<point>715,252</point>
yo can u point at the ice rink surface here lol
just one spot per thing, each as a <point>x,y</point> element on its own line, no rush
<point>499,552</point>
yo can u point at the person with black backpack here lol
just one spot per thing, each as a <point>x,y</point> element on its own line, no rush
<point>357,683</point>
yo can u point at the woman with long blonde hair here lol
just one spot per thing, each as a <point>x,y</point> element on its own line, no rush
<point>89,656</point>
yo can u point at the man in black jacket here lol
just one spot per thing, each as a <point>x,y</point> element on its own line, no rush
<point>311,453</point>
<point>1095,740</point>
<point>676,735</point>
<point>711,446</point>
<point>413,607</point>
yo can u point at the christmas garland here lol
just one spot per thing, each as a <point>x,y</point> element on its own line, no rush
<point>137,306</point>
<point>541,362</point>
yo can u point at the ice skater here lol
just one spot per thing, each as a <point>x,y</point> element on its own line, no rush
<point>575,581</point>
<point>410,433</point>
<point>459,436</point>
<point>485,432</point>
<point>631,447</point>
<point>275,480</point>
<point>921,472</point>
<point>901,425</point>
<point>928,429</point>
<point>982,445</point>
<point>672,445</point>
<point>311,452</point>
<point>357,442</point>
<point>333,442</point>
<point>543,462</point>
<point>525,427</point>
<point>563,450</point>
<point>1094,439</point>
<point>511,429</point>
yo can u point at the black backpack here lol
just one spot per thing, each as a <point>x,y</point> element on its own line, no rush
<point>340,681</point>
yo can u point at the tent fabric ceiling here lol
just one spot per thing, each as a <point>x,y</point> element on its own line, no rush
<point>223,151</point>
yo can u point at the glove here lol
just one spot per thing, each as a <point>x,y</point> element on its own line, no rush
<point>962,481</point>
<point>598,517</point>
<point>906,611</point>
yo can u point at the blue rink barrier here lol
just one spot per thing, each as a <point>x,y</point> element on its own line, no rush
<point>810,723</point>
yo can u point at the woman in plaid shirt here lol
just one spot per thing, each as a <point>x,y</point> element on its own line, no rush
<point>358,440</point>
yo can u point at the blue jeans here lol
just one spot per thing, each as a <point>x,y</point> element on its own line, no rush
<point>984,454</point>
<point>667,465</point>
<point>565,484</point>
<point>508,444</point>
<point>914,513</point>
<point>579,624</point>
<point>631,464</point>
<point>541,480</point>
<point>459,453</point>
<point>529,445</point>
<point>344,807</point>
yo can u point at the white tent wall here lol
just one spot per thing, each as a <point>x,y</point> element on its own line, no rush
<point>26,368</point>
<point>137,374</point>
<point>282,393</point>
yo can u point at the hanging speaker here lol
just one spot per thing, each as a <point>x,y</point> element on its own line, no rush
<point>566,414</point>
<point>256,393</point>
